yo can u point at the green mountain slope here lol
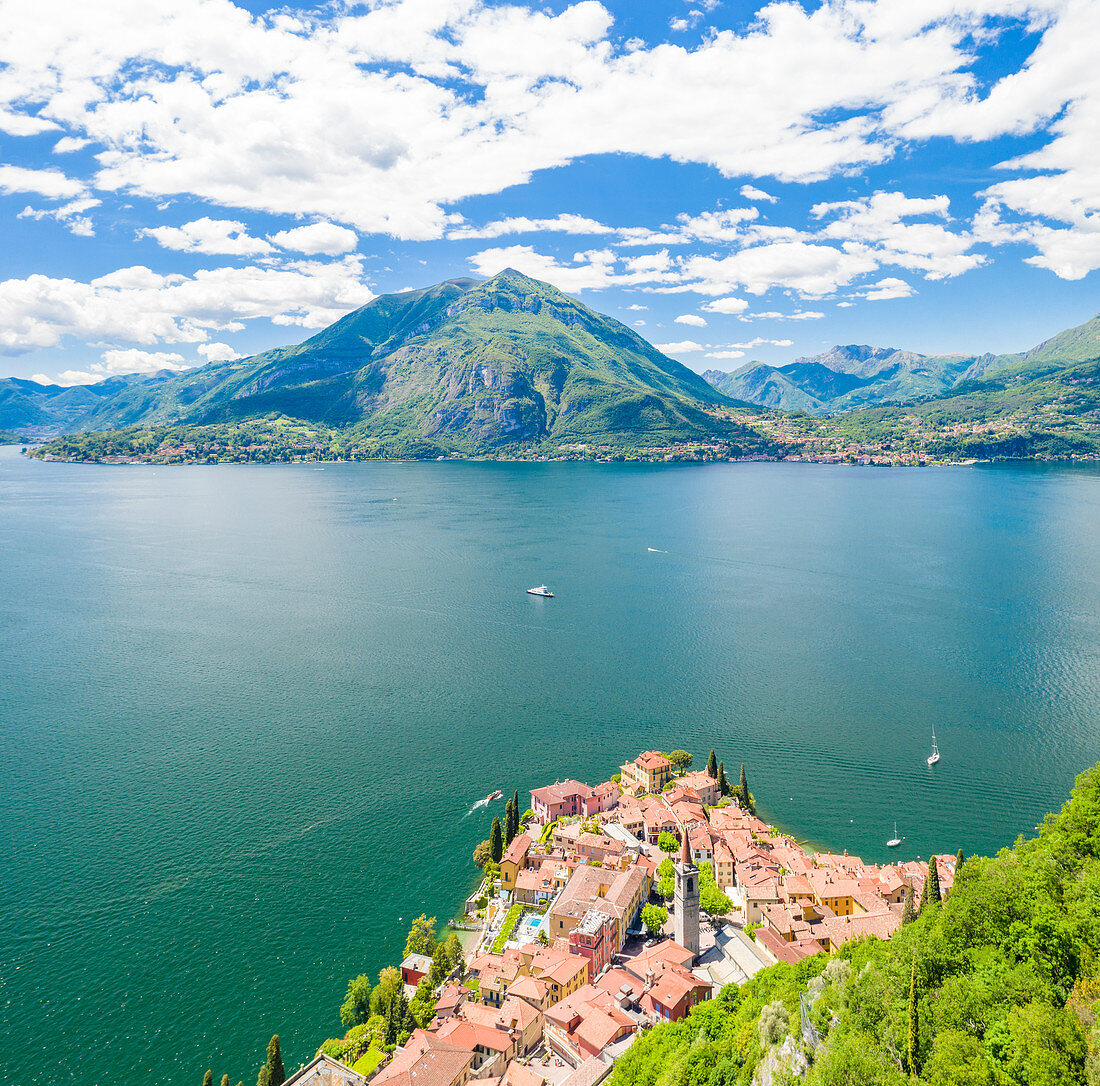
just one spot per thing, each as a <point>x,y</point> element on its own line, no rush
<point>464,366</point>
<point>33,410</point>
<point>999,986</point>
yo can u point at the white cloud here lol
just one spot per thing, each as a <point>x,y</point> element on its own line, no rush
<point>727,305</point>
<point>693,319</point>
<point>886,290</point>
<point>68,144</point>
<point>52,184</point>
<point>70,215</point>
<point>635,308</point>
<point>809,269</point>
<point>132,360</point>
<point>211,236</point>
<point>317,239</point>
<point>141,307</point>
<point>684,346</point>
<point>217,352</point>
<point>381,118</point>
<point>879,222</point>
<point>772,315</point>
<point>751,192</point>
<point>564,223</point>
<point>725,354</point>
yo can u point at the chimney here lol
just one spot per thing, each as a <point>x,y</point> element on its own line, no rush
<point>648,979</point>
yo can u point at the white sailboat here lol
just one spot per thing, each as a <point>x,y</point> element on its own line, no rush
<point>895,840</point>
<point>934,757</point>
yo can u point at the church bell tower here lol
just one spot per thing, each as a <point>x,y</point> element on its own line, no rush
<point>686,900</point>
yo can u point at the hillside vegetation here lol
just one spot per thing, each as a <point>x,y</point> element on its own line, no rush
<point>999,986</point>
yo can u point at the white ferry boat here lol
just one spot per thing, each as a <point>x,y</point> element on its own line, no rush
<point>541,590</point>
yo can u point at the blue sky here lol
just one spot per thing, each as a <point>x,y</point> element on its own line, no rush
<point>735,181</point>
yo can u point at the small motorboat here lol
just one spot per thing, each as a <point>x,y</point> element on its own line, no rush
<point>934,757</point>
<point>895,840</point>
<point>493,795</point>
<point>540,590</point>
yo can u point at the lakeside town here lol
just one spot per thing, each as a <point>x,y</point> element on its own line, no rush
<point>606,910</point>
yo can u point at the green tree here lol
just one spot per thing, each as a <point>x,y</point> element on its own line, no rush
<point>960,859</point>
<point>666,887</point>
<point>454,951</point>
<point>914,1035</point>
<point>931,893</point>
<point>507,824</point>
<point>653,916</point>
<point>483,854</point>
<point>667,842</point>
<point>356,1005</point>
<point>515,813</point>
<point>272,1073</point>
<point>441,965</point>
<point>421,938</point>
<point>712,766</point>
<point>208,1079</point>
<point>681,759</point>
<point>744,795</point>
<point>908,913</point>
<point>711,898</point>
<point>389,987</point>
<point>225,1080</point>
<point>723,783</point>
<point>496,841</point>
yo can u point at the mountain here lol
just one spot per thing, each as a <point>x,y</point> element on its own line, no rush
<point>35,411</point>
<point>463,366</point>
<point>842,379</point>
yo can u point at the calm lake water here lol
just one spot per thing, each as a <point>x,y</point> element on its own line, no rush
<point>244,711</point>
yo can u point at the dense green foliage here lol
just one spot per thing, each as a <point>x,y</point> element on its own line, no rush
<point>681,759</point>
<point>496,840</point>
<point>272,1073</point>
<point>356,1006</point>
<point>998,986</point>
<point>421,938</point>
<point>712,766</point>
<point>653,916</point>
<point>668,842</point>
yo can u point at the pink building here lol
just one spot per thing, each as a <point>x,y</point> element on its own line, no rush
<point>560,799</point>
<point>594,938</point>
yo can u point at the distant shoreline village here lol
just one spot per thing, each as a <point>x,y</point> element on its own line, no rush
<point>604,911</point>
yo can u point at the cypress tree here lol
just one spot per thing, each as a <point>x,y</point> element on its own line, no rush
<point>723,783</point>
<point>208,1079</point>
<point>932,883</point>
<point>496,841</point>
<point>745,794</point>
<point>515,812</point>
<point>225,1080</point>
<point>909,913</point>
<point>960,859</point>
<point>913,1034</point>
<point>272,1072</point>
<point>712,766</point>
<point>509,833</point>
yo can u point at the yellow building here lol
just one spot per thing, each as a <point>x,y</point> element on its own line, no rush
<point>649,772</point>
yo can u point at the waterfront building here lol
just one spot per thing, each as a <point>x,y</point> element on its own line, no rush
<point>325,1071</point>
<point>426,1060</point>
<point>649,772</point>
<point>414,967</point>
<point>686,901</point>
<point>513,861</point>
<point>621,894</point>
<point>560,800</point>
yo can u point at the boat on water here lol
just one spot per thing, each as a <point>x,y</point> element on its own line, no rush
<point>895,840</point>
<point>540,590</point>
<point>493,795</point>
<point>934,757</point>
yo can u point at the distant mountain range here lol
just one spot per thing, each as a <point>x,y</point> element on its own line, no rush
<point>848,378</point>
<point>463,366</point>
<point>512,366</point>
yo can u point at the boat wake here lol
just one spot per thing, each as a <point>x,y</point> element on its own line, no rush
<point>654,550</point>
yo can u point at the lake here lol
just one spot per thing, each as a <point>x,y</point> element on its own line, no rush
<point>245,711</point>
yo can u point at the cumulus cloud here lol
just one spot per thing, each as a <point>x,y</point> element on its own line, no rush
<point>565,224</point>
<point>317,239</point>
<point>683,346</point>
<point>693,319</point>
<point>751,192</point>
<point>381,118</point>
<point>52,184</point>
<point>727,305</point>
<point>729,353</point>
<point>886,290</point>
<point>217,352</point>
<point>141,307</point>
<point>206,235</point>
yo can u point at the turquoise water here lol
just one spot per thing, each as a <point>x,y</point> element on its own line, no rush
<point>245,711</point>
